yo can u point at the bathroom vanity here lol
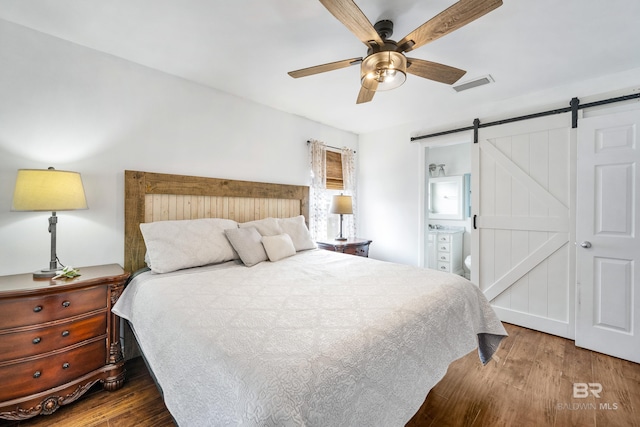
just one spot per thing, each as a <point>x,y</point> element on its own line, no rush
<point>444,247</point>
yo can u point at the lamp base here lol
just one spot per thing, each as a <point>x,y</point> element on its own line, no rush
<point>44,274</point>
<point>341,239</point>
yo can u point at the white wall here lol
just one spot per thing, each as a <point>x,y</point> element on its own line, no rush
<point>77,109</point>
<point>388,186</point>
<point>455,157</point>
<point>391,182</point>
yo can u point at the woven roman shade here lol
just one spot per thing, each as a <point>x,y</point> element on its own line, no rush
<point>334,171</point>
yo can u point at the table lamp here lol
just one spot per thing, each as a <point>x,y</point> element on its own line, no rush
<point>48,190</point>
<point>341,205</point>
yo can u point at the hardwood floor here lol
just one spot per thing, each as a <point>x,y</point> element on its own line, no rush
<point>529,383</point>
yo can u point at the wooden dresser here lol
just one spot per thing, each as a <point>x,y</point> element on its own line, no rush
<point>353,246</point>
<point>57,339</point>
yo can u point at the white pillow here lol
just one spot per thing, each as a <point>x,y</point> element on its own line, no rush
<point>297,229</point>
<point>266,226</point>
<point>278,247</point>
<point>174,245</point>
<point>247,242</point>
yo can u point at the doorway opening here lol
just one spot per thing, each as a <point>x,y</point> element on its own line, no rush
<point>446,172</point>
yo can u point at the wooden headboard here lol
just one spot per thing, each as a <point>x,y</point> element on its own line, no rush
<point>152,196</point>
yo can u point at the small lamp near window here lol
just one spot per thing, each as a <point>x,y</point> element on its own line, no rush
<point>48,190</point>
<point>341,205</point>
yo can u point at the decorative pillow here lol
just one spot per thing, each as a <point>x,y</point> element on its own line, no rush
<point>297,229</point>
<point>174,245</point>
<point>266,226</point>
<point>278,247</point>
<point>247,242</point>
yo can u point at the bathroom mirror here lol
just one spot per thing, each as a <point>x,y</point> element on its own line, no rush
<point>446,199</point>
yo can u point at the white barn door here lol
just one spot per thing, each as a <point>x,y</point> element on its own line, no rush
<point>522,247</point>
<point>608,223</point>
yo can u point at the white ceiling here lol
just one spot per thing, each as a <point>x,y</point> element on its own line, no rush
<point>246,47</point>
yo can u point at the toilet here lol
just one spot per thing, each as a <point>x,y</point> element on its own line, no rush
<point>467,267</point>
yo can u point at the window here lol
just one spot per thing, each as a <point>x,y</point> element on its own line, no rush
<point>334,170</point>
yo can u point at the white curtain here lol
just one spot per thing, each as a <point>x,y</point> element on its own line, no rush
<point>319,199</point>
<point>349,180</point>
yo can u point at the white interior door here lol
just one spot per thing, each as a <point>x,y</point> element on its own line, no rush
<point>608,222</point>
<point>522,178</point>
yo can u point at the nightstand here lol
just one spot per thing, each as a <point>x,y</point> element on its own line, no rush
<point>57,339</point>
<point>353,246</point>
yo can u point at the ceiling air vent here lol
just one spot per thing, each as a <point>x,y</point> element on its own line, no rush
<point>473,83</point>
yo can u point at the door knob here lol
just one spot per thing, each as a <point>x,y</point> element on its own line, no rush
<point>585,244</point>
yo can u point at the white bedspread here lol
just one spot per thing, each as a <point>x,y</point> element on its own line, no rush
<point>317,339</point>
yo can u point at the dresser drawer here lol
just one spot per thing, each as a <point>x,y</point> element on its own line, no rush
<point>444,256</point>
<point>36,310</point>
<point>444,266</point>
<point>23,379</point>
<point>41,340</point>
<point>361,250</point>
<point>444,247</point>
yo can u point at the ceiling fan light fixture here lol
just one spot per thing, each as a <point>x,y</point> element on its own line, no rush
<point>389,74</point>
<point>387,68</point>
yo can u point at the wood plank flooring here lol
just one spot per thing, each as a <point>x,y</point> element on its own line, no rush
<point>529,383</point>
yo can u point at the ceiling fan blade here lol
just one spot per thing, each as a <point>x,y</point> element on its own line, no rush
<point>347,12</point>
<point>324,68</point>
<point>447,21</point>
<point>365,95</point>
<point>434,71</point>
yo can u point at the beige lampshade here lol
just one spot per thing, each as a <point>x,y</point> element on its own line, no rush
<point>341,205</point>
<point>48,190</point>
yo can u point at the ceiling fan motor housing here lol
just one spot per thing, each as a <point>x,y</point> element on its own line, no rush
<point>384,28</point>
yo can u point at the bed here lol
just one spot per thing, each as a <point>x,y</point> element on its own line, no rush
<point>305,337</point>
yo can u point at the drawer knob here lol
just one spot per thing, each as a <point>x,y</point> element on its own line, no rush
<point>66,304</point>
<point>443,268</point>
<point>37,308</point>
<point>443,257</point>
<point>443,247</point>
<point>65,365</point>
<point>37,374</point>
<point>65,333</point>
<point>36,340</point>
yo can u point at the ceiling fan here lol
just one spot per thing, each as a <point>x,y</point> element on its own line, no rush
<point>385,67</point>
